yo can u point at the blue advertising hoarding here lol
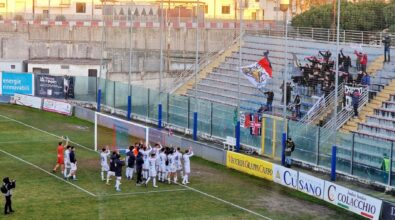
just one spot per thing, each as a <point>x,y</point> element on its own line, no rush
<point>21,83</point>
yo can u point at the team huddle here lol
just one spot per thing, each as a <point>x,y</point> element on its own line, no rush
<point>149,163</point>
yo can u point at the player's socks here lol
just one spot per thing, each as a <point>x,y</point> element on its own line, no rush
<point>175,178</point>
<point>168,180</point>
<point>154,182</point>
<point>184,179</point>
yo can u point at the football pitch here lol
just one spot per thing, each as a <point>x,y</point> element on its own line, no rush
<point>28,141</point>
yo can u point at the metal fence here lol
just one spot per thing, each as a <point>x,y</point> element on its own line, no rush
<point>357,156</point>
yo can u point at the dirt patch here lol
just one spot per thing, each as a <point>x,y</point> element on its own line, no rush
<point>77,127</point>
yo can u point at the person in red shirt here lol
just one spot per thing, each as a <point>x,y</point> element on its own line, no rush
<point>60,157</point>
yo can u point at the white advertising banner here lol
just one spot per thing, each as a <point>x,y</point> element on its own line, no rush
<point>285,176</point>
<point>57,106</point>
<point>27,100</point>
<point>353,201</point>
<point>311,185</point>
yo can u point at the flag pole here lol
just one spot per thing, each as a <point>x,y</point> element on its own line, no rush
<point>337,66</point>
<point>161,52</point>
<point>284,7</point>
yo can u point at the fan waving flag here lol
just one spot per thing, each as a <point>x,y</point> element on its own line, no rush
<point>258,73</point>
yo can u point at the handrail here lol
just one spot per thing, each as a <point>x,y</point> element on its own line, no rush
<point>343,116</point>
<point>322,105</point>
<point>186,75</point>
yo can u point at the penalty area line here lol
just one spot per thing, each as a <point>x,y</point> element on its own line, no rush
<point>226,202</point>
<point>45,132</point>
<point>51,174</point>
<point>139,193</point>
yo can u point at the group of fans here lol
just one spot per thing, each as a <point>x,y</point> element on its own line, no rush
<point>150,163</point>
<point>318,73</point>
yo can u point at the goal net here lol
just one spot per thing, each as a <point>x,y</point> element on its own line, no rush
<point>117,133</point>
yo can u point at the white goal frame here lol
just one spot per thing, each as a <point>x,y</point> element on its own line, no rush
<point>121,120</point>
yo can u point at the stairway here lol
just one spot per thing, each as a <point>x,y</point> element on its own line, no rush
<point>375,66</point>
<point>208,69</point>
<point>376,102</point>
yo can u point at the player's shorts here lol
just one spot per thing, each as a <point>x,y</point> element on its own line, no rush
<point>73,167</point>
<point>67,165</point>
<point>110,173</point>
<point>60,160</point>
<point>179,167</point>
<point>145,166</point>
<point>105,168</point>
<point>187,169</point>
<point>152,173</point>
<point>162,168</point>
<point>173,168</point>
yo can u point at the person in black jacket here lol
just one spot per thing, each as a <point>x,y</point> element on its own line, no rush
<point>387,47</point>
<point>139,168</point>
<point>6,189</point>
<point>130,163</point>
<point>118,171</point>
<point>111,172</point>
<point>269,100</point>
<point>73,163</point>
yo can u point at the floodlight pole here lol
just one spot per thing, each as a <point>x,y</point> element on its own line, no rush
<point>197,54</point>
<point>102,42</point>
<point>161,52</point>
<point>130,54</point>
<point>284,8</point>
<point>240,56</point>
<point>337,66</point>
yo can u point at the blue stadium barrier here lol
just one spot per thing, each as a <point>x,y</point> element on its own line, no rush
<point>283,144</point>
<point>159,116</point>
<point>333,164</point>
<point>98,100</point>
<point>195,125</point>
<point>237,136</point>
<point>129,116</point>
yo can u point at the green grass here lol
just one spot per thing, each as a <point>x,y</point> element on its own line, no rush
<point>41,196</point>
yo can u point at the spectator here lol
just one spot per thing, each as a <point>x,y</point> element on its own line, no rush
<point>385,167</point>
<point>6,189</point>
<point>355,102</point>
<point>365,79</point>
<point>269,100</point>
<point>297,104</point>
<point>289,148</point>
<point>363,60</point>
<point>387,46</point>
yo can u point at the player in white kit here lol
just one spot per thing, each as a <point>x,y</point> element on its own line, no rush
<point>105,153</point>
<point>178,164</point>
<point>152,170</point>
<point>187,165</point>
<point>158,147</point>
<point>162,166</point>
<point>145,152</point>
<point>67,164</point>
<point>171,169</point>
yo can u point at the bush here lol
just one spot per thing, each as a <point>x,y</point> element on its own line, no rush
<point>362,16</point>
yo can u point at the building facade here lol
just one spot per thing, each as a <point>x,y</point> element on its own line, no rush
<point>257,10</point>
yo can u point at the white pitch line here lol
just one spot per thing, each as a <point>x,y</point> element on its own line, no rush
<point>138,193</point>
<point>226,202</point>
<point>57,177</point>
<point>46,132</point>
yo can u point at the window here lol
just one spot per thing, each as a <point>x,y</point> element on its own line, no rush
<point>12,67</point>
<point>80,7</point>
<point>226,9</point>
<point>206,9</point>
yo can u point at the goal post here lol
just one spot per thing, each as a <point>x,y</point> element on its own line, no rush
<point>117,133</point>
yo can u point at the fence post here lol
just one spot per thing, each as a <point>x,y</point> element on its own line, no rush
<point>189,113</point>
<point>211,119</point>
<point>195,125</point>
<point>129,107</point>
<point>237,136</point>
<point>333,164</point>
<point>98,100</point>
<point>317,158</point>
<point>352,154</point>
<point>159,116</point>
<point>312,33</point>
<point>148,101</point>
<point>392,154</point>
<point>329,35</point>
<point>283,143</point>
<point>168,108</point>
<point>362,38</point>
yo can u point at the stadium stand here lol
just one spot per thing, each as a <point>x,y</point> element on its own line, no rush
<point>219,83</point>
